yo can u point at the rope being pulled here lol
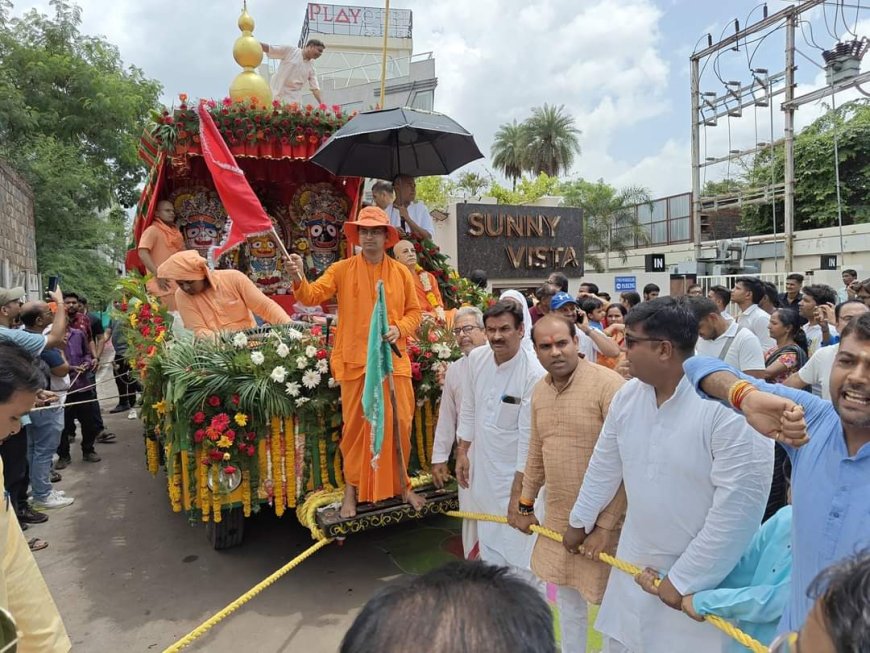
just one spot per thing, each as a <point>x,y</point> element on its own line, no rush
<point>729,629</point>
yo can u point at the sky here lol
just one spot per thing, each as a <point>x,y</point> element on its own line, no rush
<point>620,67</point>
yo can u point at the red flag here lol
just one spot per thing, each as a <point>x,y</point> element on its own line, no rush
<point>246,216</point>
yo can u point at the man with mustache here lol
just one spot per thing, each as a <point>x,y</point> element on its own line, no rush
<point>831,469</point>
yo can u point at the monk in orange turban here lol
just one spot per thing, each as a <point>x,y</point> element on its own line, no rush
<point>216,300</point>
<point>354,281</point>
<point>157,243</point>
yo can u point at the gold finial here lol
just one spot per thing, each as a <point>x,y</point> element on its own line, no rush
<point>249,54</point>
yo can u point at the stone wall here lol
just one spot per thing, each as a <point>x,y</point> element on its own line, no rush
<point>17,232</point>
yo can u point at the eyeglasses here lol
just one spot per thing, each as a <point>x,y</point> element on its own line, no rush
<point>464,331</point>
<point>631,340</point>
<point>784,643</point>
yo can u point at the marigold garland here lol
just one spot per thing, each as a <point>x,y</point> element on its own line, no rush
<point>425,279</point>
<point>174,487</point>
<point>275,462</point>
<point>152,453</point>
<point>204,498</point>
<point>290,461</point>
<point>217,500</point>
<point>246,493</point>
<point>324,468</point>
<point>421,447</point>
<point>262,455</point>
<point>430,430</point>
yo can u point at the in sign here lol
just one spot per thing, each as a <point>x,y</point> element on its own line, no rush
<point>654,262</point>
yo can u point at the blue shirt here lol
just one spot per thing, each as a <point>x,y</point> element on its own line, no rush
<point>34,343</point>
<point>755,593</point>
<point>830,489</point>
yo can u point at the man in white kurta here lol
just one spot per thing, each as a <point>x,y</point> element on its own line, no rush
<point>469,334</point>
<point>296,68</point>
<point>495,421</point>
<point>696,478</point>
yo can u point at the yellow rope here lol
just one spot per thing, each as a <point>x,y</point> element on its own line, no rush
<point>729,629</point>
<point>203,628</point>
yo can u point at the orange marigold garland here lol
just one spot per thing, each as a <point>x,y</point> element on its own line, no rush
<point>246,493</point>
<point>290,461</point>
<point>430,429</point>
<point>421,446</point>
<point>276,471</point>
<point>324,465</point>
<point>204,497</point>
<point>152,452</point>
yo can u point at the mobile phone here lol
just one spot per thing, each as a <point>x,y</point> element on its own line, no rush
<point>510,400</point>
<point>53,282</point>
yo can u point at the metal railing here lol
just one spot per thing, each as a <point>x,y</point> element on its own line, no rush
<point>728,280</point>
<point>368,70</point>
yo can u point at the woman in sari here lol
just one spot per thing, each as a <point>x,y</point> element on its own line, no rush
<point>615,318</point>
<point>790,352</point>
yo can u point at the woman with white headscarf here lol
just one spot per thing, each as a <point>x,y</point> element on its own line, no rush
<point>517,297</point>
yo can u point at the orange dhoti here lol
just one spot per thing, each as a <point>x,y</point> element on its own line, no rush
<point>383,482</point>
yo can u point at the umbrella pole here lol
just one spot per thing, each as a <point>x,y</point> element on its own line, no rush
<point>400,455</point>
<point>384,54</point>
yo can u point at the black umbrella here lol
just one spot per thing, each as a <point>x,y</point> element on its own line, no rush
<point>383,144</point>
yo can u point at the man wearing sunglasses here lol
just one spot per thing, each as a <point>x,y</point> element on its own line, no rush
<point>469,333</point>
<point>696,478</point>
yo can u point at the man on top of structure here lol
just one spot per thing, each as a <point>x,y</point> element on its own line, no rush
<point>296,67</point>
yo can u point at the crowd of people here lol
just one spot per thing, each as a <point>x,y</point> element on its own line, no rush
<point>665,430</point>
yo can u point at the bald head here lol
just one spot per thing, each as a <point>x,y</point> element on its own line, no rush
<point>405,253</point>
<point>36,315</point>
<point>165,212</point>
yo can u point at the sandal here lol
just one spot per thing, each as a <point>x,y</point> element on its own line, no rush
<point>105,438</point>
<point>37,544</point>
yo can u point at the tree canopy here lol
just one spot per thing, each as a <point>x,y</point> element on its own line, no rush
<point>71,114</point>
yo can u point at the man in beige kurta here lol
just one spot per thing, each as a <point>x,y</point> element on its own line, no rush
<point>568,409</point>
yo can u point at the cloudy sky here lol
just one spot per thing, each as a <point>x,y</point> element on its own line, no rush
<point>620,67</point>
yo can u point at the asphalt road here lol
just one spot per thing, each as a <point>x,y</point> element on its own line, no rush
<point>128,574</point>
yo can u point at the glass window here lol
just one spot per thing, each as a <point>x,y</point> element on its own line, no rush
<point>644,214</point>
<point>424,100</point>
<point>659,210</point>
<point>680,206</point>
<point>679,230</point>
<point>659,233</point>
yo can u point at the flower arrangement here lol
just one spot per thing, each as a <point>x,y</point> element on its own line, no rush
<point>430,353</point>
<point>430,258</point>
<point>145,320</point>
<point>426,280</point>
<point>470,294</point>
<point>248,123</point>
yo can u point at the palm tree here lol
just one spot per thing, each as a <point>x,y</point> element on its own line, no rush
<point>610,220</point>
<point>551,140</point>
<point>508,149</point>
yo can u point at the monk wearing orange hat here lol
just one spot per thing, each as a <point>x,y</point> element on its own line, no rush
<point>354,282</point>
<point>216,300</point>
<point>157,243</point>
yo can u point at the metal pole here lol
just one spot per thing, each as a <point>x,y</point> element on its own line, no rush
<point>789,143</point>
<point>696,158</point>
<point>384,54</point>
<point>837,174</point>
<point>773,180</point>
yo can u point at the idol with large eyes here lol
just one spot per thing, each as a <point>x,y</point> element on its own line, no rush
<point>323,230</point>
<point>200,235</point>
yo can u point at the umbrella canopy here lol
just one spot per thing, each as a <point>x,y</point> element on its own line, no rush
<point>387,143</point>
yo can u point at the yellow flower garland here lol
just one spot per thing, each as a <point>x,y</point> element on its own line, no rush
<point>290,461</point>
<point>277,466</point>
<point>217,501</point>
<point>339,475</point>
<point>174,487</point>
<point>421,446</point>
<point>153,455</point>
<point>430,296</point>
<point>430,429</point>
<point>324,466</point>
<point>204,498</point>
<point>263,468</point>
<point>246,493</point>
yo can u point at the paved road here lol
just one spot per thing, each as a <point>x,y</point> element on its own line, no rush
<point>130,575</point>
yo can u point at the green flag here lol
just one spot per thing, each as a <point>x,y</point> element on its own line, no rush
<point>379,365</point>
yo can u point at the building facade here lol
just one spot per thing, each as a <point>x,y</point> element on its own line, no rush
<point>17,233</point>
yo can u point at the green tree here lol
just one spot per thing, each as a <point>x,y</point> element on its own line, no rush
<point>551,141</point>
<point>528,190</point>
<point>434,192</point>
<point>610,222</point>
<point>815,177</point>
<point>71,115</point>
<point>470,184</point>
<point>508,151</point>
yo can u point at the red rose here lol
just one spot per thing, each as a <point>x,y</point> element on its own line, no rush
<point>216,455</point>
<point>199,418</point>
<point>321,354</point>
<point>124,307</point>
<point>199,435</point>
<point>214,401</point>
<point>251,450</point>
<point>235,399</point>
<point>229,469</point>
<point>416,373</point>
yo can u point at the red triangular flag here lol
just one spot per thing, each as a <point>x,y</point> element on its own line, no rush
<point>246,216</point>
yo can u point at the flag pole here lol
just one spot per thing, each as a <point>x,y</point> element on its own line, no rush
<point>384,54</point>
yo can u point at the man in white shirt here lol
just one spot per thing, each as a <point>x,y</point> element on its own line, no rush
<point>816,304</point>
<point>469,334</point>
<point>817,371</point>
<point>846,293</point>
<point>747,294</point>
<point>495,420</point>
<point>296,67</point>
<point>696,478</point>
<point>727,341</point>
<point>406,214</point>
<point>721,296</point>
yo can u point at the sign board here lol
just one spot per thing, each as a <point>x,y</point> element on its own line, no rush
<point>828,262</point>
<point>519,241</point>
<point>624,284</point>
<point>654,263</point>
<point>352,20</point>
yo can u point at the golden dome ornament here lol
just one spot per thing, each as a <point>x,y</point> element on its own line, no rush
<point>248,53</point>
